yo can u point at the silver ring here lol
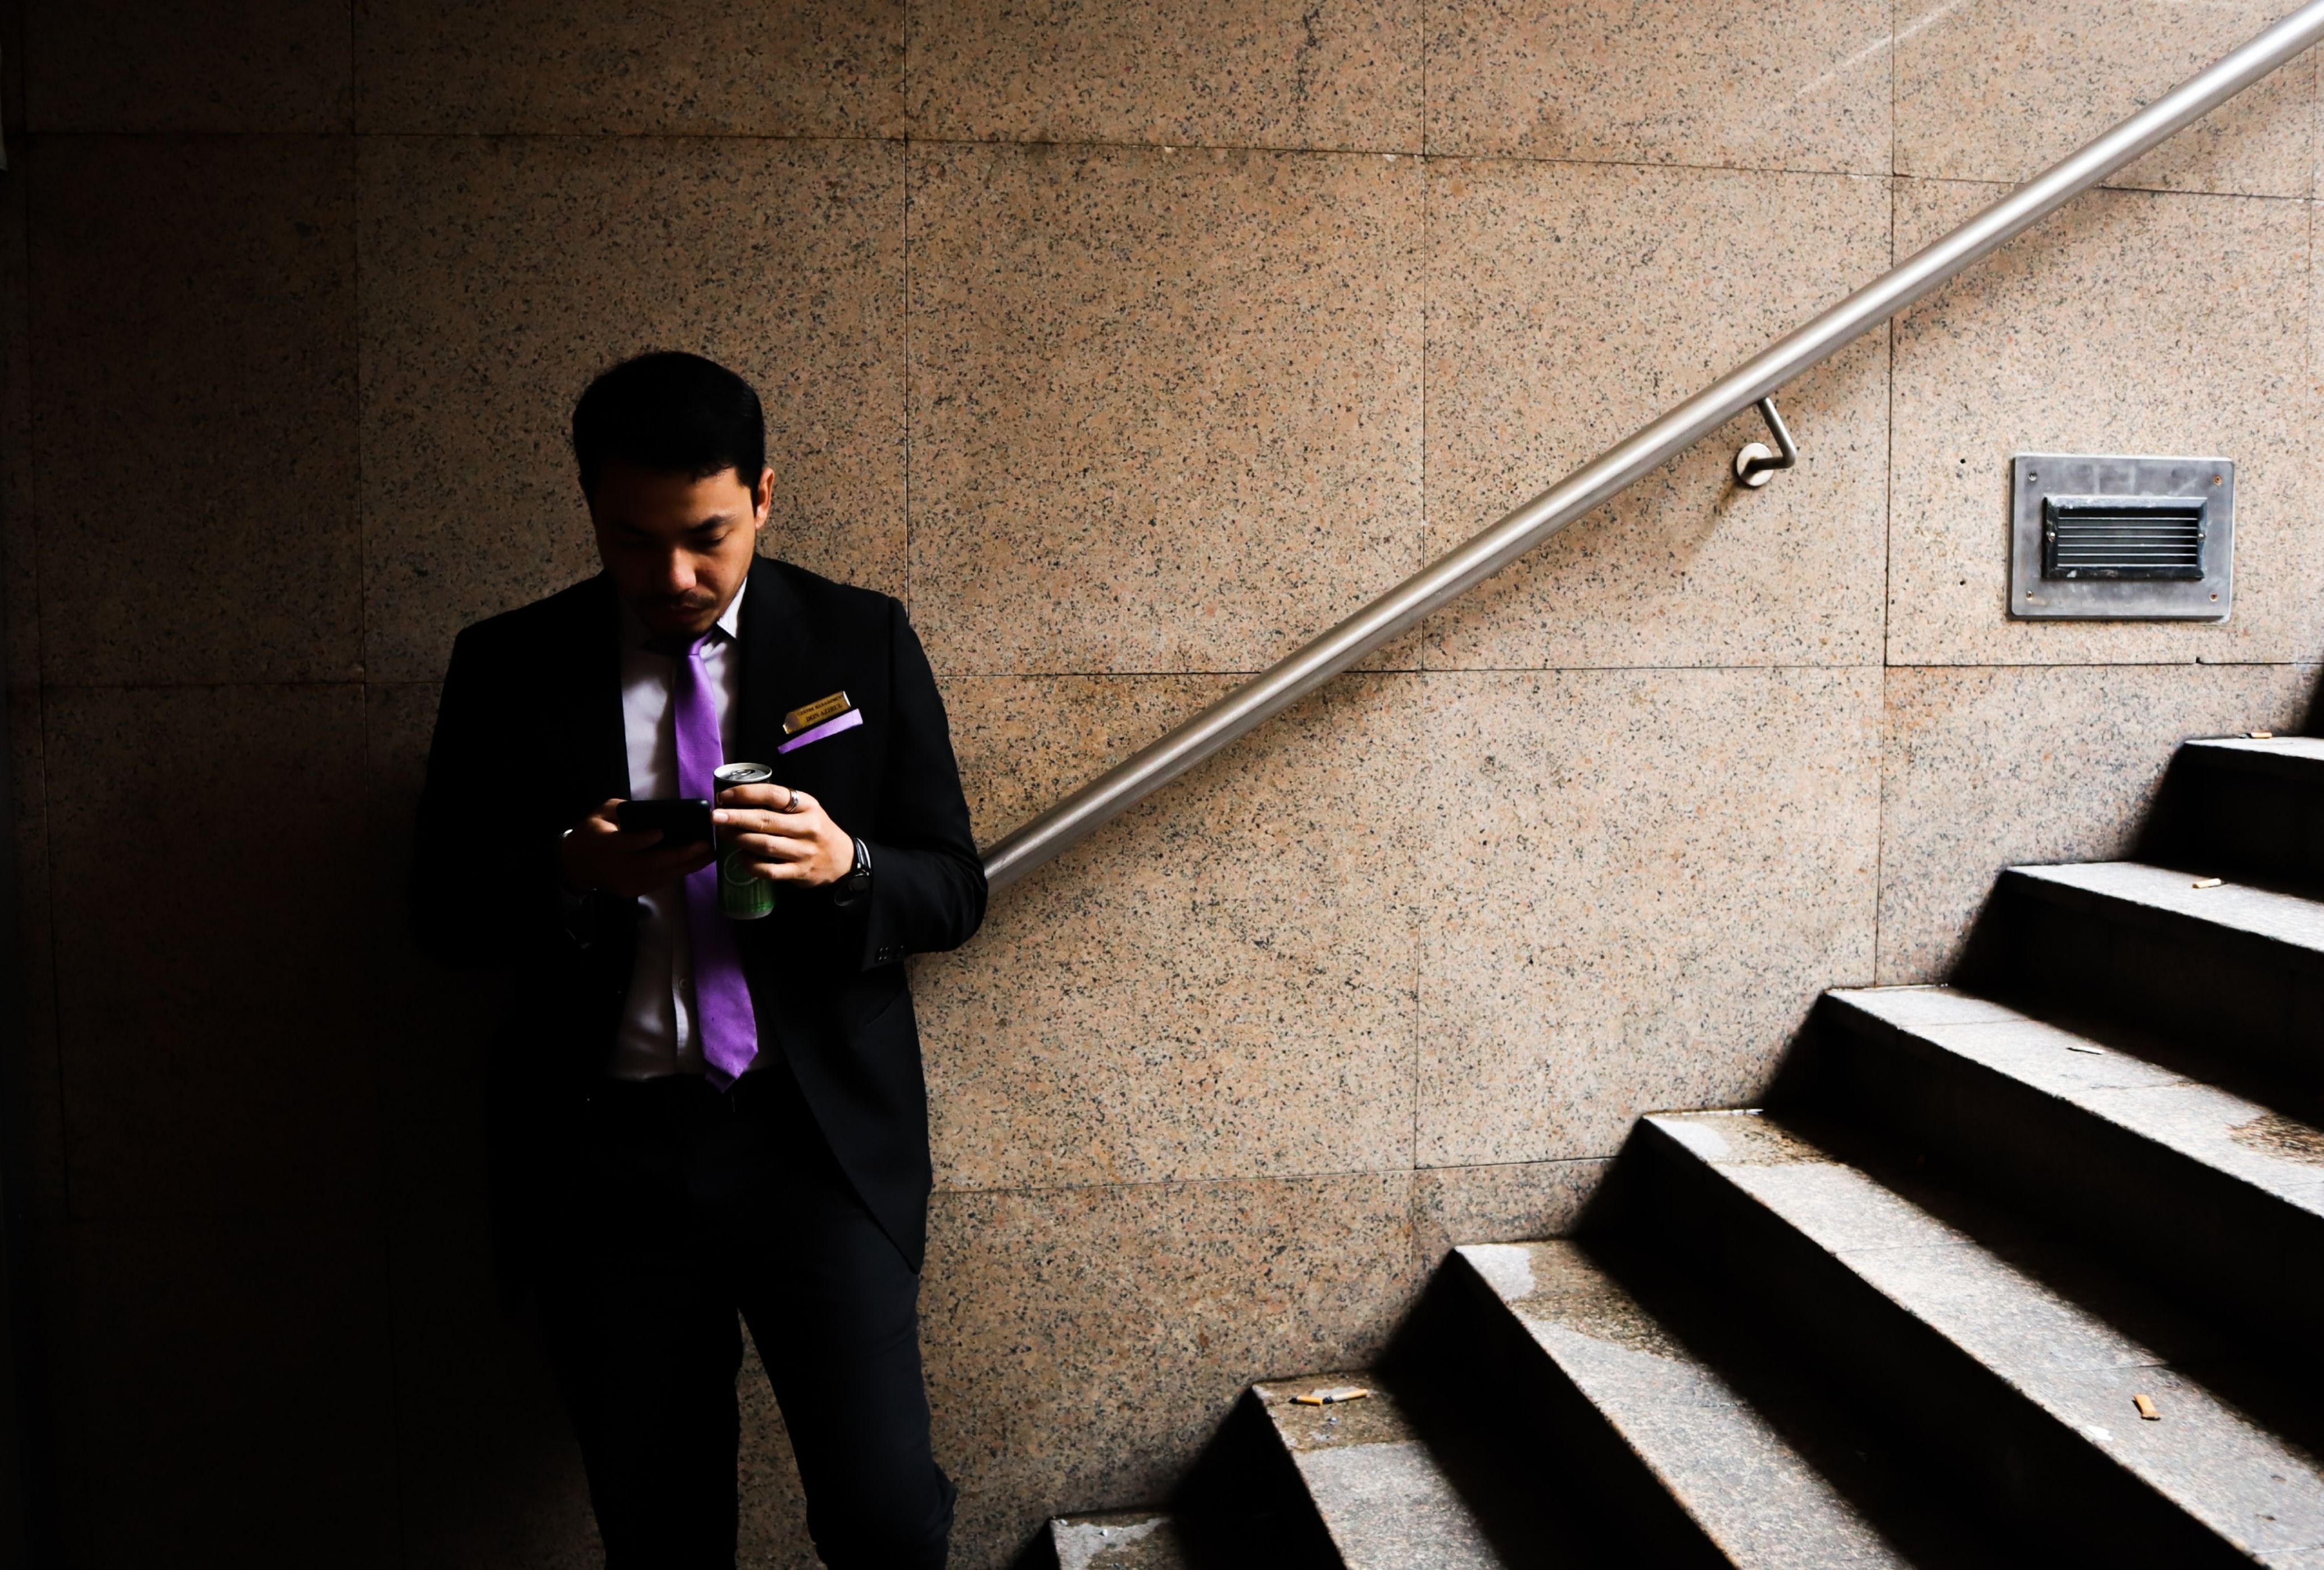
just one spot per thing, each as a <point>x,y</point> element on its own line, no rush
<point>790,803</point>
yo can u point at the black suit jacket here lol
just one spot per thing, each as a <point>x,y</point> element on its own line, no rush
<point>529,739</point>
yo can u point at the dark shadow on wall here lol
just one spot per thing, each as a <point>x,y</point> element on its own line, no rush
<point>487,1471</point>
<point>27,1479</point>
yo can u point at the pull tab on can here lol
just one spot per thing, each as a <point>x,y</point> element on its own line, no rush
<point>742,895</point>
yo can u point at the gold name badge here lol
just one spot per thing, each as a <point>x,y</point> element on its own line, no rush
<point>809,715</point>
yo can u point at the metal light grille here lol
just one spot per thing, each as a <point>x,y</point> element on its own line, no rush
<point>2124,537</point>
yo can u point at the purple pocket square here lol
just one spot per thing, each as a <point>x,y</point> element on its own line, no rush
<point>830,727</point>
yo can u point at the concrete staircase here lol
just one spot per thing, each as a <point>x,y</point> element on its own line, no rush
<point>2024,1269</point>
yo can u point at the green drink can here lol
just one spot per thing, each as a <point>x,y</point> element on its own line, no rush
<point>742,895</point>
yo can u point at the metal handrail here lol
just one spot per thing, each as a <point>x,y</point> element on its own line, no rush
<point>1293,677</point>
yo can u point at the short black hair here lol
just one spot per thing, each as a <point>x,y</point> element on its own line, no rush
<point>670,413</point>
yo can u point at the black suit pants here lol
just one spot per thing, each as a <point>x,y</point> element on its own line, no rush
<point>682,1208</point>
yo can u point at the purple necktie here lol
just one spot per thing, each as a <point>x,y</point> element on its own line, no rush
<point>724,1019</point>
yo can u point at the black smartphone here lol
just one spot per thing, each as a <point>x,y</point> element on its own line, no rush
<point>684,821</point>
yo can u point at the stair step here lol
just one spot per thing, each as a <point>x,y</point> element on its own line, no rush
<point>1381,1494</point>
<point>2285,925</point>
<point>2235,971</point>
<point>1749,1495</point>
<point>1118,1541</point>
<point>2243,806</point>
<point>2250,806</point>
<point>2218,1200</point>
<point>2022,1393</point>
<point>2295,758</point>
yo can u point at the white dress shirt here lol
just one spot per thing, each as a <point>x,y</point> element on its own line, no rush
<point>656,1035</point>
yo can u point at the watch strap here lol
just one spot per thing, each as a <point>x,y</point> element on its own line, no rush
<point>857,883</point>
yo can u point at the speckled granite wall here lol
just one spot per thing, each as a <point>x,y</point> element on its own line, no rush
<point>1129,341</point>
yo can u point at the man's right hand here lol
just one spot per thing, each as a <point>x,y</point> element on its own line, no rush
<point>599,854</point>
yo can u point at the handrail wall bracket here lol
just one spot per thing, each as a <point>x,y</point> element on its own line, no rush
<point>1755,465</point>
<point>1295,675</point>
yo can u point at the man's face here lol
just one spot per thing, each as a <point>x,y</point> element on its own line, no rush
<point>676,548</point>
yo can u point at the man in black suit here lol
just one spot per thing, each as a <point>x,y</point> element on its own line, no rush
<point>697,1116</point>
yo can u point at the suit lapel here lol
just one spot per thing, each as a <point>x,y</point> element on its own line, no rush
<point>776,656</point>
<point>596,734</point>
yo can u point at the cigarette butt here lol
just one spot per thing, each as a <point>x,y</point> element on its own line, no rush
<point>2261,735</point>
<point>2146,1407</point>
<point>2209,882</point>
<point>1332,1397</point>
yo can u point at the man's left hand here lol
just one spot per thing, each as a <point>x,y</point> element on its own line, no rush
<point>784,834</point>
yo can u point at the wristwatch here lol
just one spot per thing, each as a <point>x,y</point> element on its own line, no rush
<point>857,882</point>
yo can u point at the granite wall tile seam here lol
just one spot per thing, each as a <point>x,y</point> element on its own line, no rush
<point>49,1084</point>
<point>1894,6</point>
<point>1887,524</point>
<point>1427,136</point>
<point>399,1460</point>
<point>46,1161</point>
<point>2301,662</point>
<point>907,588</point>
<point>20,599</point>
<point>150,684</point>
<point>2313,64</point>
<point>1417,1082</point>
<point>1677,80</point>
<point>1571,668</point>
<point>711,66</point>
<point>2315,317</point>
<point>2003,188</point>
<point>351,1218</point>
<point>1658,165</point>
<point>33,138</point>
<point>1481,1168</point>
<point>363,388</point>
<point>1315,73</point>
<point>594,138</point>
<point>2314,380</point>
<point>1273,149</point>
<point>355,69</point>
<point>1239,673</point>
<point>1217,1180</point>
<point>600,138</point>
<point>1910,664</point>
<point>1368,670</point>
<point>1219,1176</point>
<point>1109,144</point>
<point>1398,155</point>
